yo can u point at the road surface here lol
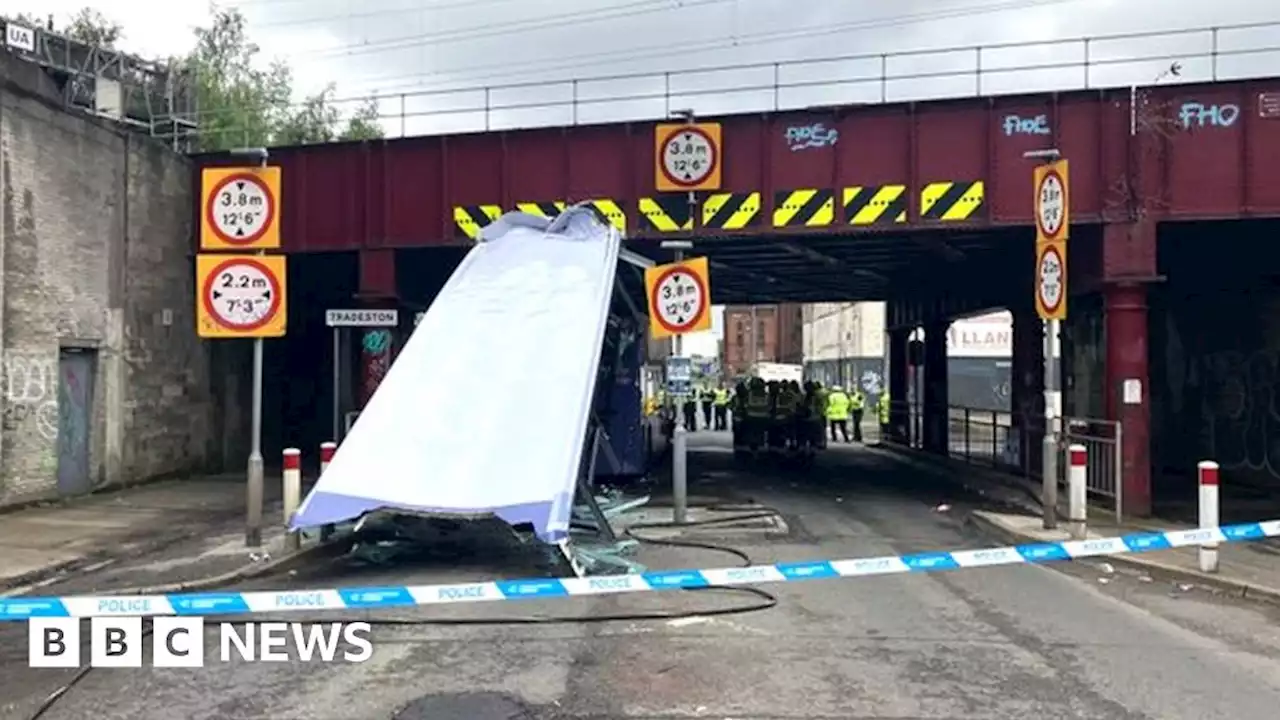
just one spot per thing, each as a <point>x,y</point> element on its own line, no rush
<point>1006,642</point>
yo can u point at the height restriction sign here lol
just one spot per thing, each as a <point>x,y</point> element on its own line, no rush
<point>1052,201</point>
<point>240,208</point>
<point>240,296</point>
<point>1051,280</point>
<point>679,298</point>
<point>687,157</point>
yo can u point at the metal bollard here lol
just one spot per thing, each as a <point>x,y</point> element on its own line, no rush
<point>327,449</point>
<point>1078,491</point>
<point>292,494</point>
<point>1208,472</point>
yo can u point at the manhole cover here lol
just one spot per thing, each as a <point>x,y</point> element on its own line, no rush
<point>465,706</point>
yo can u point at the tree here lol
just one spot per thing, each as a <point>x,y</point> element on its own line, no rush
<point>93,28</point>
<point>243,105</point>
<point>87,25</point>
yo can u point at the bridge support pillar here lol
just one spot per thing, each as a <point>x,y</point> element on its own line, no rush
<point>936,398</point>
<point>1129,252</point>
<point>1129,389</point>
<point>899,413</point>
<point>377,345</point>
<point>1026,426</point>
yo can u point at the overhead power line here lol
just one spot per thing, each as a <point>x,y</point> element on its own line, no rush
<point>383,92</point>
<point>506,69</point>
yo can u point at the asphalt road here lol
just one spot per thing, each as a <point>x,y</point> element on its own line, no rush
<point>1078,641</point>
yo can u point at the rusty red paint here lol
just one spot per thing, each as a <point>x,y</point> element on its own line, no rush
<point>401,193</point>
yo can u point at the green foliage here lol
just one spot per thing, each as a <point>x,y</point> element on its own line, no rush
<point>244,105</point>
<point>242,101</point>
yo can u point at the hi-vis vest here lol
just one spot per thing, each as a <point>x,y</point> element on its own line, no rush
<point>838,406</point>
<point>758,402</point>
<point>883,406</point>
<point>857,401</point>
<point>788,401</point>
<point>722,398</point>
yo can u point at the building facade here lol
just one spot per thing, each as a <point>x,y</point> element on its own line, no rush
<point>762,333</point>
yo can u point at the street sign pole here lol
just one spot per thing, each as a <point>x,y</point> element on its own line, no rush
<point>253,531</point>
<point>1053,221</point>
<point>337,384</point>
<point>342,319</point>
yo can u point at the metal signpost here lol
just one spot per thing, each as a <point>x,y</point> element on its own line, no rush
<point>339,319</point>
<point>679,302</point>
<point>1053,223</point>
<point>237,298</point>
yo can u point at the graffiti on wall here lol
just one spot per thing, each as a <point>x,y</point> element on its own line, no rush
<point>1017,125</point>
<point>1241,409</point>
<point>31,395</point>
<point>817,135</point>
<point>1198,115</point>
<point>376,351</point>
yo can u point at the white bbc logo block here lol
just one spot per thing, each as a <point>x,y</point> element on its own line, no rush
<point>53,642</point>
<point>177,642</point>
<point>116,642</point>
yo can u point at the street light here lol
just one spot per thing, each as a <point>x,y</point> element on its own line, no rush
<point>253,512</point>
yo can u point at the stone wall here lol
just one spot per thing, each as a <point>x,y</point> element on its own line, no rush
<point>96,322</point>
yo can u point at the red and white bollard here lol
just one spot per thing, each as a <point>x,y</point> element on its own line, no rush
<point>1078,491</point>
<point>292,494</point>
<point>327,449</point>
<point>1208,472</point>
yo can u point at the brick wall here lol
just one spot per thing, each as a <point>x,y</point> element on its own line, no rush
<point>96,322</point>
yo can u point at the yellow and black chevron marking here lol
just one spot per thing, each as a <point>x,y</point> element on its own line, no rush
<point>951,201</point>
<point>875,204</point>
<point>804,208</point>
<point>731,211</point>
<point>610,212</point>
<point>666,213</point>
<point>545,209</point>
<point>470,218</point>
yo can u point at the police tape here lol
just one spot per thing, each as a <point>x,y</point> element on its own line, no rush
<point>377,598</point>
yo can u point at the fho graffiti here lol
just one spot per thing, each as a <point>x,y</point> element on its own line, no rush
<point>1017,125</point>
<point>1194,114</point>
<point>817,135</point>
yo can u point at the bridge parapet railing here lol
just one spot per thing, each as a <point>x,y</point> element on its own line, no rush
<point>488,98</point>
<point>1010,442</point>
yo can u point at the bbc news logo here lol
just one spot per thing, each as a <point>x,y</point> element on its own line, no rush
<point>177,642</point>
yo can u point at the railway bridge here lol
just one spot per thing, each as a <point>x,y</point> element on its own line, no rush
<point>926,205</point>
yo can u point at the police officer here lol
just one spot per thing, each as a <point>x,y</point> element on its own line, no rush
<point>882,407</point>
<point>720,399</point>
<point>755,420</point>
<point>818,423</point>
<point>857,404</point>
<point>838,413</point>
<point>708,397</point>
<point>787,404</point>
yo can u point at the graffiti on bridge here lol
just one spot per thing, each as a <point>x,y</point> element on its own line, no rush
<point>1199,115</point>
<point>1241,411</point>
<point>817,135</point>
<point>31,395</point>
<point>1016,125</point>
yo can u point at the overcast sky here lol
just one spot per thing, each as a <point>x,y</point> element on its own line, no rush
<point>393,47</point>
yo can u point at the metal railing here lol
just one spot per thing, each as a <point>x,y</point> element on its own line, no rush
<point>1228,52</point>
<point>997,439</point>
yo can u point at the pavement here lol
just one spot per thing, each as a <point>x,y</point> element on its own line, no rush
<point>1073,640</point>
<point>166,533</point>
